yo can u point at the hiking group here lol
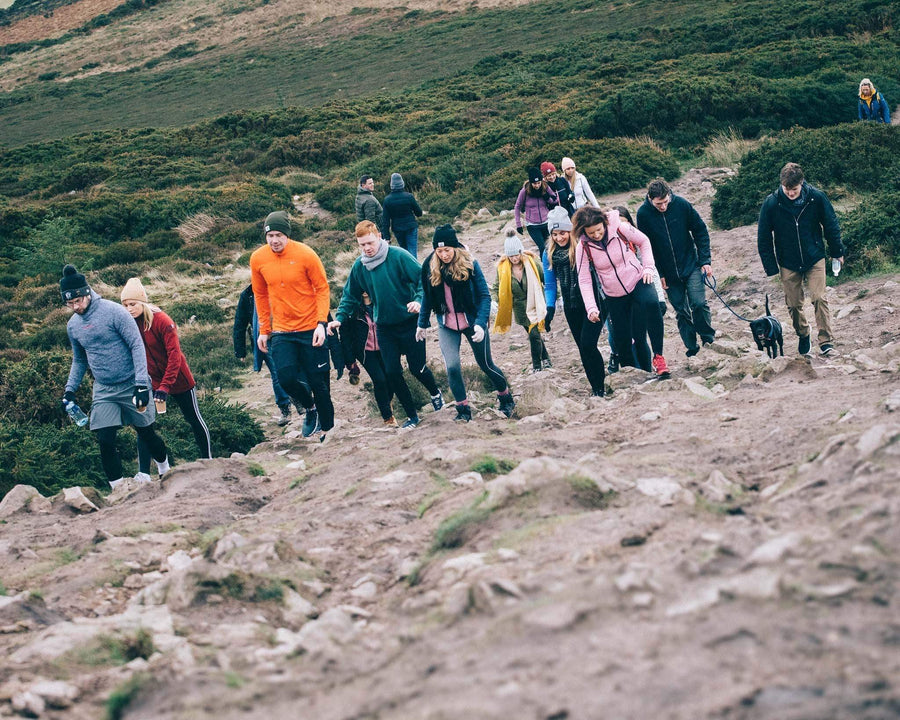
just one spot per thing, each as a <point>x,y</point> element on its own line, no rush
<point>602,269</point>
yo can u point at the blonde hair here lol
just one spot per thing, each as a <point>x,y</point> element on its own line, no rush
<point>459,268</point>
<point>367,227</point>
<point>147,314</point>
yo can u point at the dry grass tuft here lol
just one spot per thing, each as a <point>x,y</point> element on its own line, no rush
<point>197,225</point>
<point>727,148</point>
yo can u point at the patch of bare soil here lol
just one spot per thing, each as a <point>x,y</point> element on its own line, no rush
<point>59,21</point>
<point>722,544</point>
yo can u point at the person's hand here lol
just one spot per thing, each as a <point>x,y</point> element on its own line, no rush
<point>262,342</point>
<point>160,395</point>
<point>840,260</point>
<point>594,316</point>
<point>413,307</point>
<point>332,326</point>
<point>68,397</point>
<point>663,282</point>
<point>519,230</point>
<point>477,333</point>
<point>421,334</point>
<point>318,339</point>
<point>706,270</point>
<point>140,396</point>
<point>648,276</point>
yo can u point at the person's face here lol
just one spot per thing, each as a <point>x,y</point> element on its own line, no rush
<point>134,307</point>
<point>662,203</point>
<point>515,259</point>
<point>369,184</point>
<point>79,304</point>
<point>866,88</point>
<point>368,244</point>
<point>445,254</point>
<point>366,299</point>
<point>277,240</point>
<point>550,176</point>
<point>560,237</point>
<point>792,193</point>
<point>595,232</point>
<point>569,171</point>
<point>535,184</point>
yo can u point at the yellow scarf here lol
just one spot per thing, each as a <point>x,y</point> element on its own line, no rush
<point>535,305</point>
<point>867,99</point>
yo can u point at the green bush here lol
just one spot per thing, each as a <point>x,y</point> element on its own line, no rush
<point>210,354</point>
<point>205,312</point>
<point>871,234</point>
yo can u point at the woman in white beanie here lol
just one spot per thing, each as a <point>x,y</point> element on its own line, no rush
<point>579,184</point>
<point>168,368</point>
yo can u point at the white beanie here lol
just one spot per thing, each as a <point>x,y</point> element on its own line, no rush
<point>512,245</point>
<point>558,219</point>
<point>567,162</point>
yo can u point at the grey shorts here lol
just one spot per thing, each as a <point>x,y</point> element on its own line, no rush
<point>111,406</point>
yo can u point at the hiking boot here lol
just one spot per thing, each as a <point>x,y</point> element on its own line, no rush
<point>411,424</point>
<point>596,393</point>
<point>613,366</point>
<point>804,345</point>
<point>310,422</point>
<point>353,374</point>
<point>507,404</point>
<point>826,349</point>
<point>690,352</point>
<point>142,478</point>
<point>285,416</point>
<point>391,422</point>
<point>660,366</point>
<point>546,364</point>
<point>437,401</point>
<point>463,413</point>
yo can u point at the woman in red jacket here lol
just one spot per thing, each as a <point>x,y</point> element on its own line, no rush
<point>169,372</point>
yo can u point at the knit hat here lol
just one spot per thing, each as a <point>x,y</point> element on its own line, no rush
<point>558,219</point>
<point>512,245</point>
<point>73,284</point>
<point>445,236</point>
<point>397,181</point>
<point>567,162</point>
<point>547,168</point>
<point>278,221</point>
<point>534,175</point>
<point>134,290</point>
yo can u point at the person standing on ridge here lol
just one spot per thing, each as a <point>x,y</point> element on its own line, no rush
<point>367,206</point>
<point>105,339</point>
<point>792,222</point>
<point>680,242</point>
<point>400,213</point>
<point>392,279</point>
<point>872,105</point>
<point>292,301</point>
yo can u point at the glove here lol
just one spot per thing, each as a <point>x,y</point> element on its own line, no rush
<point>140,398</point>
<point>477,333</point>
<point>160,395</point>
<point>68,397</point>
<point>420,334</point>
<point>551,313</point>
<point>519,230</point>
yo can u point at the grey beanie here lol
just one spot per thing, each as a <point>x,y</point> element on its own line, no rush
<point>558,219</point>
<point>512,245</point>
<point>397,182</point>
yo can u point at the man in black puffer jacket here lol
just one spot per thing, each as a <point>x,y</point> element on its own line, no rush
<point>680,243</point>
<point>790,241</point>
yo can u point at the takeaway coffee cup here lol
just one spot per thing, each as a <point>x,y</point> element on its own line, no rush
<point>160,407</point>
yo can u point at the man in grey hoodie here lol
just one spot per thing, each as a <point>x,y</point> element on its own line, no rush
<point>105,338</point>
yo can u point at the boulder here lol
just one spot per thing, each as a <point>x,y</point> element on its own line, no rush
<point>55,693</point>
<point>20,499</point>
<point>75,498</point>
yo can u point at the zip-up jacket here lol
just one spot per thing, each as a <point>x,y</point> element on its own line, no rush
<point>166,363</point>
<point>564,194</point>
<point>583,193</point>
<point>617,266</point>
<point>391,285</point>
<point>368,207</point>
<point>536,208</point>
<point>876,109</point>
<point>245,316</point>
<point>471,297</point>
<point>400,212</point>
<point>559,271</point>
<point>290,288</point>
<point>791,236</point>
<point>679,237</point>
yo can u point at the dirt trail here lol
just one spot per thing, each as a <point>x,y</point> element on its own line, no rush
<point>723,544</point>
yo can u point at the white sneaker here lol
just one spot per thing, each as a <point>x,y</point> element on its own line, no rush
<point>162,467</point>
<point>115,483</point>
<point>142,478</point>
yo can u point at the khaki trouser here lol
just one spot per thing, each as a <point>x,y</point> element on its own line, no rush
<point>793,297</point>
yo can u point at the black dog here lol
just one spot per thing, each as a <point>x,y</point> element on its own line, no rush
<point>767,333</point>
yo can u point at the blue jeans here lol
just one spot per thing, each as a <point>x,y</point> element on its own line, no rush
<point>450,340</point>
<point>688,297</point>
<point>408,240</point>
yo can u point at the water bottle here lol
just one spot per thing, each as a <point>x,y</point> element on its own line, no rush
<point>77,414</point>
<point>835,267</point>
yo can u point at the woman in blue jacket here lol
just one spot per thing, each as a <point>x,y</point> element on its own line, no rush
<point>455,289</point>
<point>872,105</point>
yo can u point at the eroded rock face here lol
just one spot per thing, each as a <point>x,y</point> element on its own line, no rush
<point>23,498</point>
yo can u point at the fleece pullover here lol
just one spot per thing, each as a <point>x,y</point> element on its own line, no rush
<point>106,340</point>
<point>391,286</point>
<point>166,363</point>
<point>290,288</point>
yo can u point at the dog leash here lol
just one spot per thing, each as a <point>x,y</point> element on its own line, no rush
<point>712,286</point>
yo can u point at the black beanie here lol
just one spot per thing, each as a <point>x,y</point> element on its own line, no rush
<point>73,285</point>
<point>534,175</point>
<point>278,221</point>
<point>445,236</point>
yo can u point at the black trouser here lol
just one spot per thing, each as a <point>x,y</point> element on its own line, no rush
<point>633,315</point>
<point>304,372</point>
<point>538,348</point>
<point>374,364</point>
<point>586,335</point>
<point>539,233</point>
<point>398,339</point>
<point>187,403</point>
<point>109,456</point>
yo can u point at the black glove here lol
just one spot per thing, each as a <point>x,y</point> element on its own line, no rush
<point>519,230</point>
<point>68,397</point>
<point>551,313</point>
<point>141,396</point>
<point>160,395</point>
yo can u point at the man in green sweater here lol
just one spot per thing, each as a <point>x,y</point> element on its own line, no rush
<point>393,280</point>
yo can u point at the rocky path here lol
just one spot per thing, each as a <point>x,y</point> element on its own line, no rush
<point>720,545</point>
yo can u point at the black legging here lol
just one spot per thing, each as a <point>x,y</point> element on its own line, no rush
<point>633,315</point>
<point>399,339</point>
<point>109,456</point>
<point>371,360</point>
<point>187,403</point>
<point>586,334</point>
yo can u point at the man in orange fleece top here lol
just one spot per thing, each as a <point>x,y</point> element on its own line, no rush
<point>292,301</point>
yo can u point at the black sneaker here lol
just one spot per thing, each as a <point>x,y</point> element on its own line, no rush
<point>596,393</point>
<point>690,352</point>
<point>613,366</point>
<point>804,345</point>
<point>826,348</point>
<point>546,364</point>
<point>463,413</point>
<point>411,424</point>
<point>310,423</point>
<point>437,401</point>
<point>507,404</point>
